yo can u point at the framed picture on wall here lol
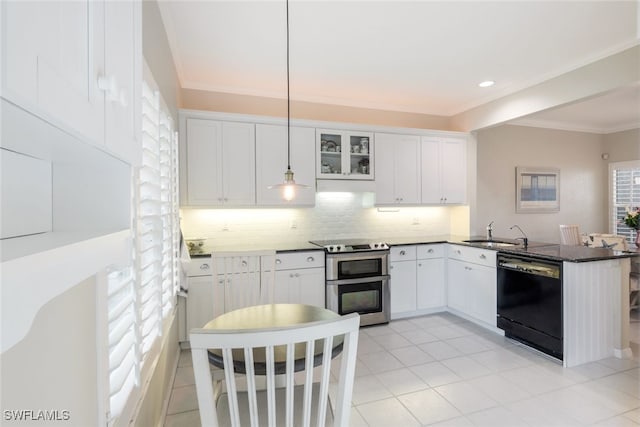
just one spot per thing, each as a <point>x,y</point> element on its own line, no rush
<point>537,190</point>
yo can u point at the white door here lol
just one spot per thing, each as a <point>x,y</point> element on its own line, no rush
<point>483,301</point>
<point>200,302</point>
<point>385,170</point>
<point>403,286</point>
<point>431,286</point>
<point>430,166</point>
<point>123,53</point>
<point>407,165</point>
<point>453,170</point>
<point>457,285</point>
<point>302,286</point>
<point>204,162</point>
<point>53,55</point>
<point>239,164</point>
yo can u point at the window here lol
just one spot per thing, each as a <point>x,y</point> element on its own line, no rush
<point>141,296</point>
<point>625,191</point>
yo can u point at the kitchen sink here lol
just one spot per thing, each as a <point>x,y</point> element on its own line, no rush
<point>491,243</point>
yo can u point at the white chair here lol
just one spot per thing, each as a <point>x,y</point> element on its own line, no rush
<point>291,405</point>
<point>242,279</point>
<point>570,235</point>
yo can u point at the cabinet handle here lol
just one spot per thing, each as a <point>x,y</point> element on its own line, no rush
<point>419,264</point>
<point>278,261</point>
<point>310,259</point>
<point>291,275</point>
<point>297,274</point>
<point>430,251</point>
<point>483,256</point>
<point>458,252</point>
<point>244,263</point>
<point>403,253</point>
<point>468,268</point>
<point>204,267</point>
<point>109,86</point>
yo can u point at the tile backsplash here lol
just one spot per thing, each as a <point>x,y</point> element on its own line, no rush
<point>335,215</point>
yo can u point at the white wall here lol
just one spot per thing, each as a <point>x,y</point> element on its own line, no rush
<point>336,215</point>
<point>54,367</point>
<point>583,180</point>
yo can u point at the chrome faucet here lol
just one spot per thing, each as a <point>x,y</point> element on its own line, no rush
<point>524,239</point>
<point>490,231</point>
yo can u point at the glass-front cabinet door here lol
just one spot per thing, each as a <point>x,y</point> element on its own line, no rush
<point>344,155</point>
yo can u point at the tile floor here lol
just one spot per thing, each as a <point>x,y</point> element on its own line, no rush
<point>445,371</point>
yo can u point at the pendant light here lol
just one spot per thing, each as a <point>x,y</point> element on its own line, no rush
<point>289,186</point>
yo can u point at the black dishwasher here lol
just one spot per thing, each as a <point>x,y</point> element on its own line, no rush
<point>530,302</point>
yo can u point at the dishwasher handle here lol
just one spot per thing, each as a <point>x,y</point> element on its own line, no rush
<point>535,267</point>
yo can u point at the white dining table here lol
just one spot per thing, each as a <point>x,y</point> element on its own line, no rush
<point>271,316</point>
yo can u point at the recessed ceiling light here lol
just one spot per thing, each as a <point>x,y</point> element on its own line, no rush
<point>486,83</point>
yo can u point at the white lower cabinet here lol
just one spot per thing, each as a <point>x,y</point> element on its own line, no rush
<point>417,279</point>
<point>403,279</point>
<point>300,278</point>
<point>471,283</point>
<point>199,304</point>
<point>431,285</point>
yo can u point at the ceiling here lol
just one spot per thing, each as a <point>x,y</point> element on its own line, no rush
<point>412,56</point>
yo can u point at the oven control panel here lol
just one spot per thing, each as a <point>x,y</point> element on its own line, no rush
<point>377,246</point>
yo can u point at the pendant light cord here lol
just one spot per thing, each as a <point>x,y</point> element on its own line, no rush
<point>288,99</point>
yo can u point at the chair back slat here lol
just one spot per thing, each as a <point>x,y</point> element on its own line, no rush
<point>289,385</point>
<point>570,234</point>
<point>308,381</point>
<point>295,405</point>
<point>232,394</point>
<point>324,381</point>
<point>251,387</point>
<point>271,385</point>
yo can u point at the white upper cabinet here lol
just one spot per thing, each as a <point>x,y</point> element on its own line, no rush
<point>271,164</point>
<point>444,170</point>
<point>220,163</point>
<point>123,72</point>
<point>344,155</point>
<point>77,64</point>
<point>397,169</point>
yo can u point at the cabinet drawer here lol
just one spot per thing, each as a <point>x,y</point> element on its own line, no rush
<point>474,255</point>
<point>430,251</point>
<point>297,260</point>
<point>200,266</point>
<point>402,253</point>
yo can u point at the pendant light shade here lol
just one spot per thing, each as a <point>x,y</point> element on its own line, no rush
<point>289,187</point>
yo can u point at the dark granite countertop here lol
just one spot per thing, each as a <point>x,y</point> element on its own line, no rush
<point>543,250</point>
<point>549,251</point>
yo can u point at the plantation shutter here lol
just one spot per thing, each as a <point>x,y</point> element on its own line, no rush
<point>149,225</point>
<point>140,296</point>
<point>122,349</point>
<point>169,207</point>
<point>626,194</point>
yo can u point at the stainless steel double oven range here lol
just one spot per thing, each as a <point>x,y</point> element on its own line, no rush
<point>357,278</point>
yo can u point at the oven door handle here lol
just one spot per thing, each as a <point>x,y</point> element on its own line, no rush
<point>357,281</point>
